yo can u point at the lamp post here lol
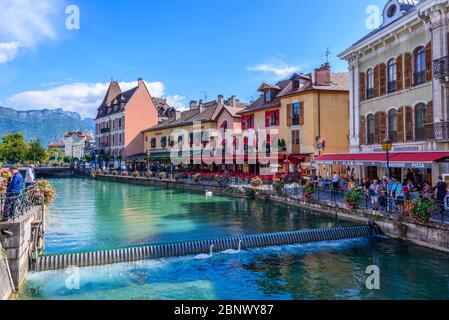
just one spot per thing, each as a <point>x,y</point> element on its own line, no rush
<point>387,146</point>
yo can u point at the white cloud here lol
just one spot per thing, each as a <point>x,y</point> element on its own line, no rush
<point>24,24</point>
<point>8,51</point>
<point>275,68</point>
<point>177,102</point>
<point>83,98</point>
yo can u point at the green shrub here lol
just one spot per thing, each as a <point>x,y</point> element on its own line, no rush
<point>353,197</point>
<point>250,193</point>
<point>422,209</point>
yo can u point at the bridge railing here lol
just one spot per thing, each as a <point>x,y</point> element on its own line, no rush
<point>14,206</point>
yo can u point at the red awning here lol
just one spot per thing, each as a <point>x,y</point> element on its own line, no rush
<point>398,160</point>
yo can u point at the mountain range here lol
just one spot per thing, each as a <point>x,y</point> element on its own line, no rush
<point>46,125</point>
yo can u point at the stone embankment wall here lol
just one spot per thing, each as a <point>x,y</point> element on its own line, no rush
<point>431,235</point>
<point>6,287</point>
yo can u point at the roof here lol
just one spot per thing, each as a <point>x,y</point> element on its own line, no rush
<point>338,82</point>
<point>58,144</point>
<point>80,134</point>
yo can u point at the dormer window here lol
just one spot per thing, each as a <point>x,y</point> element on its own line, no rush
<point>295,84</point>
<point>391,11</point>
<point>267,95</point>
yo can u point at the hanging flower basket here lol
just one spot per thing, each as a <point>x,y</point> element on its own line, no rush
<point>352,198</point>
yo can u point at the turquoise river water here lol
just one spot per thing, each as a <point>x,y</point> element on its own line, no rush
<point>94,215</point>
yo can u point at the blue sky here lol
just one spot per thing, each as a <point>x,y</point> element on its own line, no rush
<point>183,49</point>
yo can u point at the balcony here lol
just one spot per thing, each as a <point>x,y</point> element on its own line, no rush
<point>441,68</point>
<point>437,131</point>
<point>105,130</point>
<point>370,140</point>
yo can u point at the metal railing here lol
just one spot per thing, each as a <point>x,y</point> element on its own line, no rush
<point>441,67</point>
<point>437,131</point>
<point>12,206</point>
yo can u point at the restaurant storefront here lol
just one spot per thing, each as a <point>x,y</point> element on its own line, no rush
<point>428,166</point>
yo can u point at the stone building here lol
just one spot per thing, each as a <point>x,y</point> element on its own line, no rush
<point>399,89</point>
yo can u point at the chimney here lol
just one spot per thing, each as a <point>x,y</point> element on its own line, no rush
<point>193,104</point>
<point>233,102</point>
<point>139,82</point>
<point>178,115</point>
<point>323,75</point>
<point>220,99</point>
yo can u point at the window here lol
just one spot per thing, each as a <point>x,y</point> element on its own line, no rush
<point>295,114</point>
<point>272,118</point>
<point>420,118</point>
<point>392,74</point>
<point>370,129</point>
<point>267,95</point>
<point>391,11</point>
<point>120,123</point>
<point>370,84</point>
<point>163,142</point>
<point>153,143</point>
<point>295,138</point>
<point>393,125</point>
<point>420,66</point>
<point>295,84</point>
<point>180,139</point>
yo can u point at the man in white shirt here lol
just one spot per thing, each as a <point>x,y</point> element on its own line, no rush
<point>29,176</point>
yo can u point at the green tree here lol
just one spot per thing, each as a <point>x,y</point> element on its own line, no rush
<point>54,153</point>
<point>36,153</point>
<point>13,148</point>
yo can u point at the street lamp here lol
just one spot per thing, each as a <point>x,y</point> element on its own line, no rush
<point>387,146</point>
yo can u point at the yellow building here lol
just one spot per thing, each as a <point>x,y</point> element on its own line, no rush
<point>310,113</point>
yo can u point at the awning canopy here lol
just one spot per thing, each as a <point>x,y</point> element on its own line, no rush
<point>418,160</point>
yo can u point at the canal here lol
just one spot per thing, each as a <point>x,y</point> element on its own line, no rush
<point>94,215</point>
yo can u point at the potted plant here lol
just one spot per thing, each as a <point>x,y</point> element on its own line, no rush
<point>421,209</point>
<point>115,173</point>
<point>308,190</point>
<point>162,175</point>
<point>278,186</point>
<point>218,179</point>
<point>136,174</point>
<point>196,177</point>
<point>353,197</point>
<point>48,192</point>
<point>125,173</point>
<point>148,174</point>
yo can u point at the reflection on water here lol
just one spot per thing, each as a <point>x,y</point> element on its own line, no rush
<point>94,215</point>
<point>330,270</point>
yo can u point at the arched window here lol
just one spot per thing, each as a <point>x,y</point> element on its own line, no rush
<point>393,125</point>
<point>420,66</point>
<point>370,129</point>
<point>392,75</point>
<point>420,120</point>
<point>370,84</point>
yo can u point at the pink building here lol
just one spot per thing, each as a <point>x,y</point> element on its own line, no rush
<point>120,120</point>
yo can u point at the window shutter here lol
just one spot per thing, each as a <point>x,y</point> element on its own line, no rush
<point>399,73</point>
<point>289,115</point>
<point>362,86</point>
<point>383,79</point>
<point>408,70</point>
<point>429,113</point>
<point>377,128</point>
<point>362,130</point>
<point>277,117</point>
<point>376,81</point>
<point>301,113</point>
<point>382,127</point>
<point>429,65</point>
<point>267,118</point>
<point>400,115</point>
<point>408,124</point>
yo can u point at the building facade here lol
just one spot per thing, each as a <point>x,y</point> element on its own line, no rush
<point>399,90</point>
<point>120,120</point>
<point>309,112</point>
<point>78,144</point>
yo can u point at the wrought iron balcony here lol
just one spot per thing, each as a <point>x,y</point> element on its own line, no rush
<point>105,130</point>
<point>441,67</point>
<point>437,131</point>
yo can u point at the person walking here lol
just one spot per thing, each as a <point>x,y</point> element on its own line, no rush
<point>373,193</point>
<point>397,194</point>
<point>13,190</point>
<point>335,186</point>
<point>441,193</point>
<point>29,176</point>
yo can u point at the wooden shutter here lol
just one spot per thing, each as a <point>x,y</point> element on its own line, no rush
<point>429,113</point>
<point>278,119</point>
<point>400,115</point>
<point>399,73</point>
<point>362,130</point>
<point>408,124</point>
<point>376,81</point>
<point>383,79</point>
<point>382,126</point>
<point>376,128</point>
<point>267,118</point>
<point>429,65</point>
<point>362,87</point>
<point>408,70</point>
<point>289,114</point>
<point>301,113</point>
